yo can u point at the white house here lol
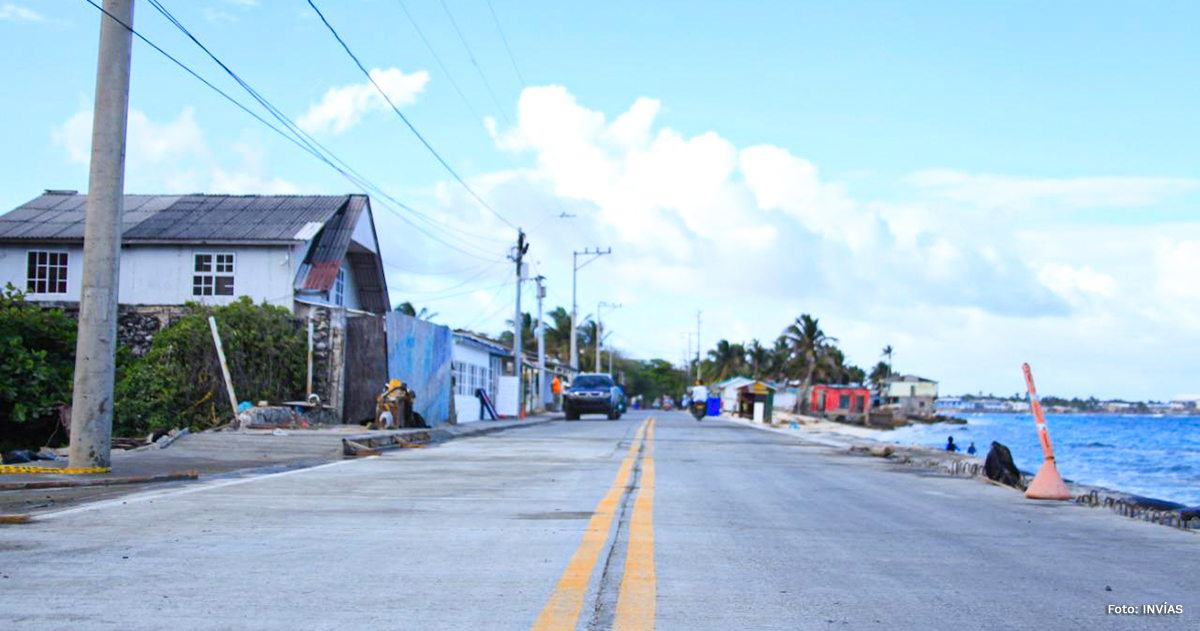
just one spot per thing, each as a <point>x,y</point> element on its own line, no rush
<point>477,364</point>
<point>287,250</point>
<point>910,394</point>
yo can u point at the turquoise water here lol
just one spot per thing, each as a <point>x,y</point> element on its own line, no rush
<point>1153,456</point>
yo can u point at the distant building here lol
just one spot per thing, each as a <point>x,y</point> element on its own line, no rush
<point>910,394</point>
<point>836,401</point>
<point>477,364</point>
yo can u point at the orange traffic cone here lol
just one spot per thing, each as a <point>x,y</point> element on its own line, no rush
<point>1047,484</point>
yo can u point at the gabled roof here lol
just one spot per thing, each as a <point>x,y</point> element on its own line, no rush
<point>60,215</point>
<point>468,338</point>
<point>327,220</point>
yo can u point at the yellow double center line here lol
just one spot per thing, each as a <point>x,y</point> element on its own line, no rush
<point>636,602</point>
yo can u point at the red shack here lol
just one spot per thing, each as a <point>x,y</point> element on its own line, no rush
<point>833,400</point>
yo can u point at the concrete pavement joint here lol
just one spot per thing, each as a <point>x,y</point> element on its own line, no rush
<point>603,611</point>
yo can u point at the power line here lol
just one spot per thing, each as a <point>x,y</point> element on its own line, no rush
<point>441,65</point>
<point>506,48</point>
<point>481,272</point>
<point>487,84</point>
<point>306,142</point>
<point>467,102</point>
<point>404,118</point>
<point>237,103</point>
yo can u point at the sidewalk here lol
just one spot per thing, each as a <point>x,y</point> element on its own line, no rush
<point>210,454</point>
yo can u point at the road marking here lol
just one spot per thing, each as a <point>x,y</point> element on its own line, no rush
<point>561,612</point>
<point>639,591</point>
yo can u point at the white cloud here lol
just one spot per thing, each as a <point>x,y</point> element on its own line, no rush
<point>217,16</point>
<point>994,191</point>
<point>342,108</point>
<point>1069,281</point>
<point>755,236</point>
<point>19,14</point>
<point>174,157</point>
<point>244,4</point>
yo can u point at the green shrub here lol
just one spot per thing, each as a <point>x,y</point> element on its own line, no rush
<point>37,361</point>
<point>178,382</point>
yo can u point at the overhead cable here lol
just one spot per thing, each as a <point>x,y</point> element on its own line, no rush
<point>404,118</point>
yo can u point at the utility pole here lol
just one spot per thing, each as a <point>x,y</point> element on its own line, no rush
<point>96,346</point>
<point>598,328</point>
<point>518,322</point>
<point>574,300</point>
<point>698,345</point>
<point>541,341</point>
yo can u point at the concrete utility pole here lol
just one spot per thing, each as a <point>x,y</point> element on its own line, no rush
<point>599,328</point>
<point>518,322</point>
<point>541,340</point>
<point>96,346</point>
<point>698,345</point>
<point>574,300</point>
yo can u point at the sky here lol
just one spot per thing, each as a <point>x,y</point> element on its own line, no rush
<point>976,184</point>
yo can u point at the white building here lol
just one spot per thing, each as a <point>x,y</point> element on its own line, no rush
<point>287,250</point>
<point>477,364</point>
<point>910,394</point>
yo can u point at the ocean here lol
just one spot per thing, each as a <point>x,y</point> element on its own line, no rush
<point>1152,456</point>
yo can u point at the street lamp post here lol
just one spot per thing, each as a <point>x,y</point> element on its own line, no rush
<point>599,306</point>
<point>574,299</point>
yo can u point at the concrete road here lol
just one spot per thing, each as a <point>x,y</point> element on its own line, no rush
<point>672,525</point>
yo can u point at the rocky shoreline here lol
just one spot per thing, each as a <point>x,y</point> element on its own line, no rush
<point>861,440</point>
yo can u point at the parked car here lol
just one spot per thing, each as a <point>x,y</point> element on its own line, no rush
<point>592,393</point>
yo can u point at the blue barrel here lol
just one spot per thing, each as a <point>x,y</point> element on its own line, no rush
<point>714,406</point>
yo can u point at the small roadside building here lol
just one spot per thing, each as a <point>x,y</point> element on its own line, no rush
<point>849,402</point>
<point>478,363</point>
<point>728,391</point>
<point>910,394</point>
<point>756,401</point>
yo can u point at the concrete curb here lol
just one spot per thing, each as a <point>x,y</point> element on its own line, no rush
<point>373,443</point>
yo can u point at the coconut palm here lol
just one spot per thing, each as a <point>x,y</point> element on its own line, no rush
<point>880,372</point>
<point>887,352</point>
<point>558,334</point>
<point>758,359</point>
<point>725,360</point>
<point>408,309</point>
<point>811,346</point>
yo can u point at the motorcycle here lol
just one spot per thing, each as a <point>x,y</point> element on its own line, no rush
<point>699,409</point>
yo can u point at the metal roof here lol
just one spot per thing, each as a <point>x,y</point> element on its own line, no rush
<point>60,216</point>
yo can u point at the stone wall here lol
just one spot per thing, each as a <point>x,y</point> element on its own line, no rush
<point>136,324</point>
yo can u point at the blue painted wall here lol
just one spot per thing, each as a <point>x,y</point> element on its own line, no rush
<point>419,355</point>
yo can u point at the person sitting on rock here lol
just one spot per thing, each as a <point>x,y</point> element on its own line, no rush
<point>950,446</point>
<point>971,448</point>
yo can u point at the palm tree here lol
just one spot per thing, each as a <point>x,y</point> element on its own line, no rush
<point>408,309</point>
<point>558,334</point>
<point>726,360</point>
<point>880,372</point>
<point>528,332</point>
<point>759,359</point>
<point>887,352</point>
<point>811,345</point>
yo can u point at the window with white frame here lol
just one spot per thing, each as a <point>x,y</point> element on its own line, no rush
<point>339,287</point>
<point>46,272</point>
<point>213,274</point>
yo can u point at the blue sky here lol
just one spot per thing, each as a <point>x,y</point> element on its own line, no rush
<point>977,184</point>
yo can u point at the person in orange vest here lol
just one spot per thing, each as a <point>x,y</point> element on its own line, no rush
<point>556,388</point>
